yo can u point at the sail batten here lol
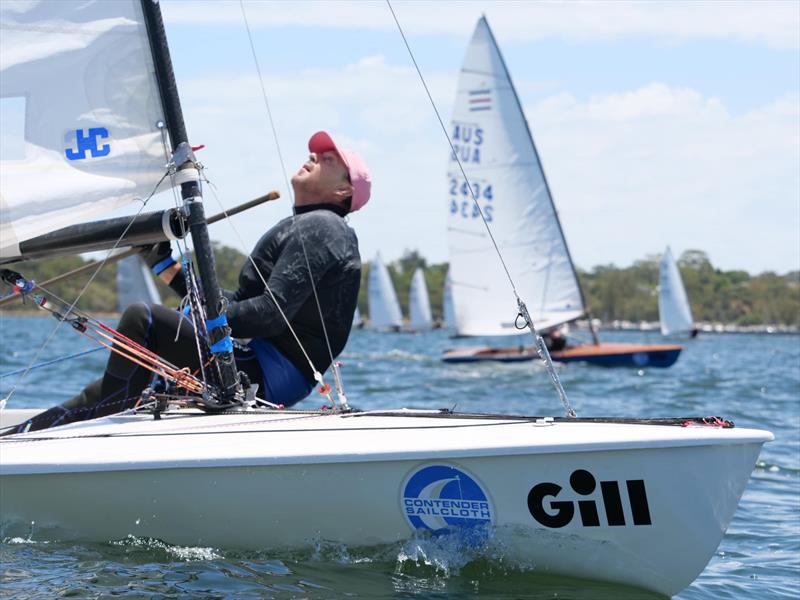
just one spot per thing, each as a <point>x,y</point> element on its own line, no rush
<point>492,141</point>
<point>91,116</point>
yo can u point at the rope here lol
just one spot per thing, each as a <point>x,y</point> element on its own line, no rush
<point>544,354</point>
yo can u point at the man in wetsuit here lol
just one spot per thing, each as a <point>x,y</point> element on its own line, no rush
<point>332,183</point>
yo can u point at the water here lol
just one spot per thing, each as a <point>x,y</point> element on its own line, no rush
<point>753,380</point>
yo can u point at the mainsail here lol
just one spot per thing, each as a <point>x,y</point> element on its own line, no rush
<point>493,143</point>
<point>80,106</point>
<point>674,311</point>
<point>384,308</point>
<point>92,84</point>
<point>419,304</point>
<point>135,283</point>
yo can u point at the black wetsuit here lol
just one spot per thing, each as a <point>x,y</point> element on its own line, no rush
<point>331,247</point>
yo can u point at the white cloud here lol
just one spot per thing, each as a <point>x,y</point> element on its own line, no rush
<point>631,171</point>
<point>774,23</point>
<point>635,171</point>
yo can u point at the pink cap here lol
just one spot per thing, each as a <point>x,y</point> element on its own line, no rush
<point>356,167</point>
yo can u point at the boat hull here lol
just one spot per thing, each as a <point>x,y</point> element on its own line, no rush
<point>643,512</point>
<point>621,355</point>
<point>603,354</point>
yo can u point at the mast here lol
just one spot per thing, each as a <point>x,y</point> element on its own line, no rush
<point>191,193</point>
<point>544,178</point>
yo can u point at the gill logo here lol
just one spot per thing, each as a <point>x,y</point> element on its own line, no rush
<point>87,141</point>
<point>583,483</point>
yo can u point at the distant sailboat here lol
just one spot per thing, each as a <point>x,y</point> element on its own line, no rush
<point>358,320</point>
<point>493,143</point>
<point>419,304</point>
<point>674,311</point>
<point>135,283</point>
<point>447,304</point>
<point>384,308</point>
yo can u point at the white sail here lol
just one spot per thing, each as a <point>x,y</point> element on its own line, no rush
<point>493,143</point>
<point>447,303</point>
<point>80,108</point>
<point>419,304</point>
<point>135,283</point>
<point>384,308</point>
<point>674,311</point>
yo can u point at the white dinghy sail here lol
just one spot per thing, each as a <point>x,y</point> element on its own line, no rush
<point>419,304</point>
<point>674,311</point>
<point>114,134</point>
<point>384,307</point>
<point>493,143</point>
<point>101,141</point>
<point>448,310</point>
<point>358,320</point>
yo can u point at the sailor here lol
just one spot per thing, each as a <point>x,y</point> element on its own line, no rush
<point>315,245</point>
<point>554,340</point>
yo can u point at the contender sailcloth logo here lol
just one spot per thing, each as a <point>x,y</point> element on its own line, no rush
<point>437,497</point>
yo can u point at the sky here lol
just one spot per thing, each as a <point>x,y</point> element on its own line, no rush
<point>670,123</point>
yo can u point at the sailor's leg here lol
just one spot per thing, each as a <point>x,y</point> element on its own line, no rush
<point>283,382</point>
<point>153,326</point>
<point>72,410</point>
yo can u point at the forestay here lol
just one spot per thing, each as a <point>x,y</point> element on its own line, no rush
<point>80,106</point>
<point>673,304</point>
<point>419,304</point>
<point>493,143</point>
<point>384,308</point>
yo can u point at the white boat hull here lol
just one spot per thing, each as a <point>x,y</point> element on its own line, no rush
<point>660,501</point>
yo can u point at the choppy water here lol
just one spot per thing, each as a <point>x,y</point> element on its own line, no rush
<point>753,380</point>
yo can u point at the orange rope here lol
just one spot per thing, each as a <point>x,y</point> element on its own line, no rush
<point>181,377</point>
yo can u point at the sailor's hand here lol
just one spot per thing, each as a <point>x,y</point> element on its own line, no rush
<point>158,256</point>
<point>10,277</point>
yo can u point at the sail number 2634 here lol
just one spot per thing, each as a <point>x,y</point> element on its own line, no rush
<point>462,202</point>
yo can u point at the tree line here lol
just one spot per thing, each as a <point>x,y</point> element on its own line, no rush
<point>611,293</point>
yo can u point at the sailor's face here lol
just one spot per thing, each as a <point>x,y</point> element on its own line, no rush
<point>321,176</point>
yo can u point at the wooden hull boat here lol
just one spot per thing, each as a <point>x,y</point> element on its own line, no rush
<point>603,354</point>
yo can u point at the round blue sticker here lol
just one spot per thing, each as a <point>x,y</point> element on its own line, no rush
<point>438,497</point>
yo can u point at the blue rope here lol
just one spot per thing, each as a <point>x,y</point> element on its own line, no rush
<point>50,362</point>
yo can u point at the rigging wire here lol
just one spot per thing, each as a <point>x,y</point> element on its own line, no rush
<point>38,353</point>
<point>334,367</point>
<point>544,354</point>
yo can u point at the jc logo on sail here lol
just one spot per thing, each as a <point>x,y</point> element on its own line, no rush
<point>86,140</point>
<point>546,507</point>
